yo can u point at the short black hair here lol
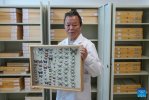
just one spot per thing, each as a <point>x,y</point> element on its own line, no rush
<point>73,13</point>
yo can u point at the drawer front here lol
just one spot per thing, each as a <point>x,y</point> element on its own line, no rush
<point>127,21</point>
<point>129,13</point>
<point>127,55</point>
<point>128,52</point>
<point>136,30</point>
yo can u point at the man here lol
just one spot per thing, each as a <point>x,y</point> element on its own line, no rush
<point>92,64</point>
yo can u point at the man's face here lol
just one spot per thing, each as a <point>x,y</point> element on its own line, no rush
<point>72,27</point>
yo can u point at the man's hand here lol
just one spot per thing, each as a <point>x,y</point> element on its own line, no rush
<point>83,52</point>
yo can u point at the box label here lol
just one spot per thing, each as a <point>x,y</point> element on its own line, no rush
<point>27,83</point>
<point>27,86</point>
<point>13,17</point>
<point>26,14</point>
<point>26,52</point>
<point>52,34</point>
<point>52,30</point>
<point>118,13</point>
<point>25,17</point>
<point>95,14</point>
<point>25,48</point>
<point>119,30</point>
<point>13,30</point>
<point>141,92</point>
<point>16,84</point>
<point>23,72</point>
<point>12,21</point>
<point>118,21</point>
<point>25,21</point>
<point>15,55</point>
<point>25,10</point>
<point>25,44</point>
<point>26,55</point>
<point>119,34</point>
<point>27,99</point>
<point>16,90</point>
<point>13,14</point>
<point>12,9</point>
<point>79,10</point>
<point>118,87</point>
<point>15,80</point>
<point>25,38</point>
<point>13,38</point>
<point>25,27</point>
<point>119,38</point>
<point>26,31</point>
<point>25,64</point>
<point>117,17</point>
<point>0,83</point>
<point>26,69</point>
<point>13,27</point>
<point>13,34</point>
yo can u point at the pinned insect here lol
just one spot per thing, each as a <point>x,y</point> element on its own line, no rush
<point>65,73</point>
<point>46,50</point>
<point>72,72</point>
<point>36,82</point>
<point>50,57</point>
<point>40,82</point>
<point>46,83</point>
<point>59,78</point>
<point>49,66</point>
<point>35,64</point>
<point>44,61</point>
<point>40,61</point>
<point>39,68</point>
<point>35,71</point>
<point>45,67</point>
<point>59,65</point>
<point>45,79</point>
<point>72,79</point>
<point>66,84</point>
<point>60,84</point>
<point>59,74</point>
<point>40,72</point>
<point>66,78</point>
<point>40,76</point>
<point>49,84</point>
<point>73,85</point>
<point>51,49</point>
<point>40,65</point>
<point>35,61</point>
<point>40,49</point>
<point>73,51</point>
<point>45,72</point>
<point>72,58</point>
<point>72,65</point>
<point>66,49</point>
<point>66,57</point>
<point>46,54</point>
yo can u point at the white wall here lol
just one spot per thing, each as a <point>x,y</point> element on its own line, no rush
<point>74,2</point>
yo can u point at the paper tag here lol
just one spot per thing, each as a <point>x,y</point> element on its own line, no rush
<point>52,34</point>
<point>25,38</point>
<point>16,84</point>
<point>135,21</point>
<point>136,30</point>
<point>12,9</point>
<point>51,13</point>
<point>15,80</point>
<point>136,17</point>
<point>26,31</point>
<point>27,83</point>
<point>95,14</point>
<point>51,21</point>
<point>119,38</point>
<point>119,34</point>
<point>118,48</point>
<point>118,56</point>
<point>51,10</point>
<point>26,14</point>
<point>79,10</point>
<point>117,72</point>
<point>15,56</point>
<point>117,17</point>
<point>118,52</point>
<point>25,10</point>
<point>52,37</point>
<point>141,92</point>
<point>25,44</point>
<point>136,13</point>
<point>119,30</point>
<point>13,34</point>
<point>13,14</point>
<point>26,69</point>
<point>13,21</point>
<point>118,21</point>
<point>25,64</point>
<point>52,30</point>
<point>27,99</point>
<point>27,86</point>
<point>25,48</point>
<point>13,38</point>
<point>13,17</point>
<point>0,78</point>
<point>13,30</point>
<point>0,83</point>
<point>118,91</point>
<point>26,51</point>
<point>25,27</point>
<point>26,55</point>
<point>23,72</point>
<point>25,17</point>
<point>117,64</point>
<point>117,68</point>
<point>26,34</point>
<point>16,90</point>
<point>81,17</point>
<point>118,87</point>
<point>25,21</point>
<point>13,27</point>
<point>119,13</point>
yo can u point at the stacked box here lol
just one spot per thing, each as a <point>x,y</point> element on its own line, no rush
<point>11,84</point>
<point>11,53</point>
<point>10,15</point>
<point>31,33</point>
<point>25,48</point>
<point>58,34</point>
<point>127,67</point>
<point>128,51</point>
<point>124,85</point>
<point>31,16</point>
<point>15,68</point>
<point>11,32</point>
<point>28,86</point>
<point>57,15</point>
<point>128,16</point>
<point>33,96</point>
<point>88,15</point>
<point>128,33</point>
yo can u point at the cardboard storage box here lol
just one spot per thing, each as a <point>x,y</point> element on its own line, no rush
<point>11,54</point>
<point>33,96</point>
<point>129,13</point>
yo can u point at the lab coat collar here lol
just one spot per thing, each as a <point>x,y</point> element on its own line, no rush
<point>78,40</point>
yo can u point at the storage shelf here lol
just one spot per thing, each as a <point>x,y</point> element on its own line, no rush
<point>133,40</point>
<point>142,72</point>
<point>19,6</point>
<point>132,24</point>
<point>23,91</point>
<point>143,57</point>
<point>1,74</point>
<point>132,6</point>
<point>21,57</point>
<point>19,40</point>
<point>89,39</point>
<point>129,93</point>
<point>19,23</point>
<point>82,23</point>
<point>74,6</point>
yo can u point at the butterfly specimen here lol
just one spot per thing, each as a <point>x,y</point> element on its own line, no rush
<point>41,76</point>
<point>36,82</point>
<point>45,72</point>
<point>66,84</point>
<point>51,57</point>
<point>35,61</point>
<point>40,72</point>
<point>46,83</point>
<point>45,61</point>
<point>35,71</point>
<point>46,50</point>
<point>72,65</point>
<point>45,67</point>
<point>40,65</point>
<point>73,85</point>
<point>40,61</point>
<point>40,82</point>
<point>59,78</point>
<point>49,66</point>
<point>59,70</point>
<point>39,68</point>
<point>59,74</point>
<point>45,79</point>
<point>60,84</point>
<point>40,49</point>
<point>73,51</point>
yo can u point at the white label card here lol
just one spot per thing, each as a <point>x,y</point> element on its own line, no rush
<point>117,71</point>
<point>13,38</point>
<point>15,80</point>
<point>117,68</point>
<point>25,10</point>
<point>26,69</point>
<point>15,55</point>
<point>25,44</point>
<point>81,17</point>
<point>25,27</point>
<point>13,14</point>
<point>52,30</point>
<point>26,55</point>
<point>13,27</point>
<point>13,34</point>
<point>0,83</point>
<point>26,14</point>
<point>13,30</point>
<point>26,34</point>
<point>52,34</point>
<point>26,31</point>
<point>12,9</point>
<point>119,13</point>
<point>25,17</point>
<point>79,10</point>
<point>27,83</point>
<point>23,72</point>
<point>119,38</point>
<point>13,21</point>
<point>118,87</point>
<point>25,64</point>
<point>13,17</point>
<point>95,14</point>
<point>117,17</point>
<point>27,99</point>
<point>118,21</point>
<point>25,21</point>
<point>25,38</point>
<point>119,30</point>
<point>25,48</point>
<point>16,84</point>
<point>51,10</point>
<point>26,51</point>
<point>16,90</point>
<point>119,34</point>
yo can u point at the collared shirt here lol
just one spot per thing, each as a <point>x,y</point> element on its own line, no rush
<point>92,67</point>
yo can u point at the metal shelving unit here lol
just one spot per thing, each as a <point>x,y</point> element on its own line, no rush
<point>143,76</point>
<point>17,45</point>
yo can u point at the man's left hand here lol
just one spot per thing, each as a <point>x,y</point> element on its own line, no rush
<point>83,52</point>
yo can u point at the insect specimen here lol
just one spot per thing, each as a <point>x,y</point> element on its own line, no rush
<point>45,67</point>
<point>35,61</point>
<point>73,51</point>
<point>40,49</point>
<point>45,61</point>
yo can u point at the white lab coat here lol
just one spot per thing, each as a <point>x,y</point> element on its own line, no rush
<point>92,67</point>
